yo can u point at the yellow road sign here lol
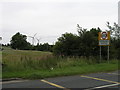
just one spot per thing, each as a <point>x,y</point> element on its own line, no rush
<point>104,36</point>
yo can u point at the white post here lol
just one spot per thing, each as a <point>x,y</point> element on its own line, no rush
<point>100,53</point>
<point>108,53</point>
<point>0,62</point>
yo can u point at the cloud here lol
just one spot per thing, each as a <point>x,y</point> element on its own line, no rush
<point>54,18</point>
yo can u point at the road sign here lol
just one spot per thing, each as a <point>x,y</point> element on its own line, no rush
<point>104,42</point>
<point>103,35</point>
<point>104,38</point>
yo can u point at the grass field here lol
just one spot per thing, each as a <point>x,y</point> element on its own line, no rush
<point>37,64</point>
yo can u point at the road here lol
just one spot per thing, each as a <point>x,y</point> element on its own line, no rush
<point>94,81</point>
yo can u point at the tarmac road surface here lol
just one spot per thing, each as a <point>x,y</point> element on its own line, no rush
<point>94,81</point>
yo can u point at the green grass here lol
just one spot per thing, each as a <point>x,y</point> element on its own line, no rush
<point>72,70</point>
<point>24,59</point>
<point>36,65</point>
<point>6,48</point>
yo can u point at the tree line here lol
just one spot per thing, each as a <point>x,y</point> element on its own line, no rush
<point>19,41</point>
<point>84,43</point>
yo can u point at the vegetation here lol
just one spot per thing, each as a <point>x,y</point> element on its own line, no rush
<point>71,70</point>
<point>115,40</point>
<point>36,64</point>
<point>23,59</point>
<point>43,47</point>
<point>19,42</point>
<point>86,43</point>
<point>71,54</point>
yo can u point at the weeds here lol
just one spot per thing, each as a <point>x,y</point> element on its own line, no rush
<point>36,64</point>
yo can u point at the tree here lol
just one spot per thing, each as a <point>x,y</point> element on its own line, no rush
<point>67,45</point>
<point>89,42</point>
<point>43,47</point>
<point>114,30</point>
<point>83,44</point>
<point>115,39</point>
<point>19,42</point>
<point>81,31</point>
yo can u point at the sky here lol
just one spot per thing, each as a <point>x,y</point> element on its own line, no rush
<point>52,18</point>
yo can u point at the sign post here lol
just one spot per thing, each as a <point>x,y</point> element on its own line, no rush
<point>100,53</point>
<point>104,40</point>
<point>108,54</point>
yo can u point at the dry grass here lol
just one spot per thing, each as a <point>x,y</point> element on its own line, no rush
<point>25,64</point>
<point>24,59</point>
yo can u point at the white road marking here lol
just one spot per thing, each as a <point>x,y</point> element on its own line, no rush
<point>101,79</point>
<point>15,81</point>
<point>103,86</point>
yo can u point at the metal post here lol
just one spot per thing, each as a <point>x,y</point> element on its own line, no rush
<point>100,53</point>
<point>108,53</point>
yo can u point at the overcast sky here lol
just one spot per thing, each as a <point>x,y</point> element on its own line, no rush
<point>51,18</point>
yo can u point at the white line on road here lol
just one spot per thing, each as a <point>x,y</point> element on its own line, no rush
<point>103,86</point>
<point>101,79</point>
<point>5,82</point>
